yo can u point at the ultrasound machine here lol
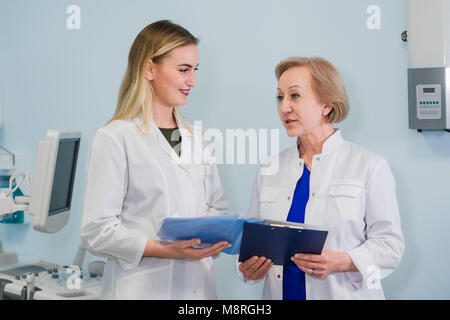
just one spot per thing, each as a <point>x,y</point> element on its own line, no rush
<point>49,204</point>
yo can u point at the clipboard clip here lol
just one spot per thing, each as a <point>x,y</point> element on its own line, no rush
<point>294,225</point>
<point>287,225</point>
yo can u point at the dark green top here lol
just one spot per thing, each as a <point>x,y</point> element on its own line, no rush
<point>173,137</point>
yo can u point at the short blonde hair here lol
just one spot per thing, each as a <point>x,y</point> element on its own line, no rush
<point>327,84</point>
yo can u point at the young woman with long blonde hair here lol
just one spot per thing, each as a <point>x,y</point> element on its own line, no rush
<point>137,176</point>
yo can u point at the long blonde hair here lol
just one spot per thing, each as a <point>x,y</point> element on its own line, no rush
<point>136,93</point>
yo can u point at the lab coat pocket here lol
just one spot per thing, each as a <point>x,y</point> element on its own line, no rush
<point>147,282</point>
<point>346,197</point>
<point>267,199</point>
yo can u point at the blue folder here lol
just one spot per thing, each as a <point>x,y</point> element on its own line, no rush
<point>279,241</point>
<point>209,229</point>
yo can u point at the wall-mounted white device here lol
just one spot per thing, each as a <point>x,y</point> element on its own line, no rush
<point>429,64</point>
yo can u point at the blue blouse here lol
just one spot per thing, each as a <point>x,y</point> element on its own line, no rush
<point>293,277</point>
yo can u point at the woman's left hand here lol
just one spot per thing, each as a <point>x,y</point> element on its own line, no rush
<point>320,265</point>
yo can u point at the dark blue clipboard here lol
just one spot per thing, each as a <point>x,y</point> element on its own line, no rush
<point>280,242</point>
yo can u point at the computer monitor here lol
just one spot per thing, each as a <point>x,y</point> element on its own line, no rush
<point>53,180</point>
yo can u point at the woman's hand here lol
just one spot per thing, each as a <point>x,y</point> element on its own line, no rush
<point>320,265</point>
<point>183,249</point>
<point>255,268</point>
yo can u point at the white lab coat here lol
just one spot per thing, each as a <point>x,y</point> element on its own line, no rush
<point>134,181</point>
<point>352,194</point>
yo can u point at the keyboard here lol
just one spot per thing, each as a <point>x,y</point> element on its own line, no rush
<point>43,280</point>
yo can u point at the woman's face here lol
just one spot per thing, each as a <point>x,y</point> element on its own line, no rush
<point>300,110</point>
<point>173,77</point>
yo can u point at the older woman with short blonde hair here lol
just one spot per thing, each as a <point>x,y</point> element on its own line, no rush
<point>326,181</point>
<point>326,83</point>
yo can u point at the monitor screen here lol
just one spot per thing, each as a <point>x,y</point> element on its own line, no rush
<point>64,175</point>
<point>53,180</point>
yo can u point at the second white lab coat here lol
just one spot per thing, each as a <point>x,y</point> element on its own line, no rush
<point>352,194</point>
<point>134,181</point>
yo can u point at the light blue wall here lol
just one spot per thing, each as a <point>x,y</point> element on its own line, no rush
<point>55,78</point>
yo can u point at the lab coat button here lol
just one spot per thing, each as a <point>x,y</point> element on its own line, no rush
<point>278,276</point>
<point>197,291</point>
<point>313,194</point>
<point>289,198</point>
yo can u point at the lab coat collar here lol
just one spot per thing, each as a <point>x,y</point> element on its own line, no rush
<point>153,128</point>
<point>329,145</point>
<point>186,139</point>
<point>182,125</point>
<point>332,142</point>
